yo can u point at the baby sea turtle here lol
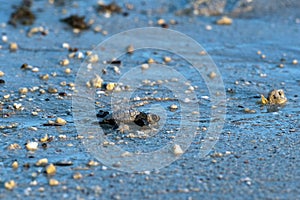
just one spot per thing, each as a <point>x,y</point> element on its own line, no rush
<point>127,117</point>
<point>275,97</point>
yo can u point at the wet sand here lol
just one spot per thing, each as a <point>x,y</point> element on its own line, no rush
<point>256,155</point>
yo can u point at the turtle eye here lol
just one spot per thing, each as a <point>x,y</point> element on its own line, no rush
<point>279,93</point>
<point>274,96</point>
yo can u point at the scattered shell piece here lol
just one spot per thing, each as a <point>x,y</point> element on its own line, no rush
<point>161,21</point>
<point>151,61</point>
<point>52,90</point>
<point>2,73</point>
<point>77,175</point>
<point>15,165</point>
<point>145,66</point>
<point>224,21</point>
<point>4,38</point>
<point>44,77</point>
<point>23,90</point>
<point>92,163</point>
<point>212,75</point>
<point>64,62</point>
<point>263,56</point>
<point>177,150</point>
<point>34,113</point>
<point>93,58</point>
<point>35,30</point>
<point>68,70</point>
<point>173,107</point>
<point>110,86</point>
<point>95,82</point>
<point>130,49</point>
<point>65,45</point>
<point>50,169</point>
<point>60,121</point>
<point>32,146</point>
<point>208,27</point>
<point>295,62</point>
<point>248,110</point>
<point>281,65</point>
<point>14,146</point>
<point>9,185</point>
<point>18,106</point>
<point>32,128</point>
<point>167,59</point>
<point>42,162</point>
<point>6,96</point>
<point>35,69</point>
<point>53,182</point>
<point>13,46</point>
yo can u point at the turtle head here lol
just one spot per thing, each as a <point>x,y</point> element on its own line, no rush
<point>152,118</point>
<point>277,97</point>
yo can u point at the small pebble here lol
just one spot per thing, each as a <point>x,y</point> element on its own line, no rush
<point>15,165</point>
<point>177,150</point>
<point>212,75</point>
<point>2,73</point>
<point>53,182</point>
<point>161,21</point>
<point>281,65</point>
<point>224,21</point>
<point>66,45</point>
<point>167,59</point>
<point>151,61</point>
<point>32,146</point>
<point>93,163</point>
<point>68,70</point>
<point>60,121</point>
<point>130,49</point>
<point>208,27</point>
<point>110,86</point>
<point>14,146</point>
<point>35,69</point>
<point>295,62</point>
<point>50,169</point>
<point>77,175</point>
<point>42,162</point>
<point>95,82</point>
<point>145,66</point>
<point>44,77</point>
<point>93,58</point>
<point>23,90</point>
<point>64,62</point>
<point>9,185</point>
<point>52,90</point>
<point>13,46</point>
<point>173,107</point>
<point>4,38</point>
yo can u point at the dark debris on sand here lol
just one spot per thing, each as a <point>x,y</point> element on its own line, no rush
<point>109,8</point>
<point>23,14</point>
<point>76,22</point>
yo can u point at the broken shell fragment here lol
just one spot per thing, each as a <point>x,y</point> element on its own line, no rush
<point>177,150</point>
<point>32,146</point>
<point>60,121</point>
<point>42,162</point>
<point>95,82</point>
<point>50,169</point>
<point>224,21</point>
<point>53,182</point>
<point>9,185</point>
